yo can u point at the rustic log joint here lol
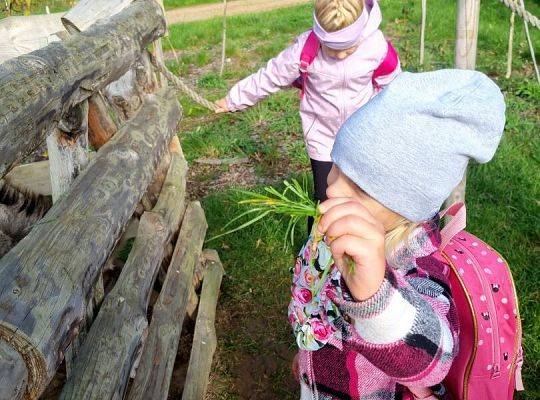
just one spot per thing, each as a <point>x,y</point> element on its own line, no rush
<point>39,87</point>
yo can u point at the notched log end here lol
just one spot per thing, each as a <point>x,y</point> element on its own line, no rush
<point>30,368</point>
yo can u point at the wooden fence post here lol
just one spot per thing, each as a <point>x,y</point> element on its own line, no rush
<point>468,16</point>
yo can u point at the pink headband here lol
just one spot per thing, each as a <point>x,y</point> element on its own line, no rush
<point>344,38</point>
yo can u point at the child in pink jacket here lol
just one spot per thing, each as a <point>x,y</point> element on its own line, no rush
<point>340,78</point>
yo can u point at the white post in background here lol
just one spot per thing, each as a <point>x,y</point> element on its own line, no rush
<point>468,17</point>
<point>224,38</point>
<point>510,45</point>
<point>423,31</point>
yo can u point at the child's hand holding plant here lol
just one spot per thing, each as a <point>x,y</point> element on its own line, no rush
<point>354,236</point>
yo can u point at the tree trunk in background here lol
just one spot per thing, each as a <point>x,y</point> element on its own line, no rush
<point>468,16</point>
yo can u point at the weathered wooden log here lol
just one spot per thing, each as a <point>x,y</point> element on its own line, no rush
<point>101,125</point>
<point>204,339</point>
<point>67,158</point>
<point>88,12</point>
<point>67,150</point>
<point>21,35</point>
<point>39,87</point>
<point>157,360</point>
<point>46,280</point>
<point>125,93</point>
<point>121,322</point>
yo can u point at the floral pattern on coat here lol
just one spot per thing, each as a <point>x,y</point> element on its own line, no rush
<point>311,312</point>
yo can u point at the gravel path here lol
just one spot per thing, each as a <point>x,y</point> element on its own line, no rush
<point>236,7</point>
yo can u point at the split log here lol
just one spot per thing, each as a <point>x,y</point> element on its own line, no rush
<point>204,339</point>
<point>101,125</point>
<point>88,12</point>
<point>155,369</point>
<point>67,150</point>
<point>46,280</point>
<point>121,322</point>
<point>21,35</point>
<point>198,274</point>
<point>33,177</point>
<point>39,87</point>
<point>125,93</point>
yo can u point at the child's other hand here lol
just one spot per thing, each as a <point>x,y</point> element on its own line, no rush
<point>221,106</point>
<point>354,233</point>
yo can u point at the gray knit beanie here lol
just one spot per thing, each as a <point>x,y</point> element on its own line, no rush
<point>408,148</point>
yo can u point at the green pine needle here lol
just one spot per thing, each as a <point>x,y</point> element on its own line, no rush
<point>294,202</point>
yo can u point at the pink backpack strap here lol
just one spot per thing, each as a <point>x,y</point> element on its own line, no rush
<point>458,222</point>
<point>388,64</point>
<point>309,52</point>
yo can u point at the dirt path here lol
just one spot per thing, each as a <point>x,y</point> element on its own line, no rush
<point>237,7</point>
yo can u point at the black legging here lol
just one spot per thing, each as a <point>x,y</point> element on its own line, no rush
<point>320,170</point>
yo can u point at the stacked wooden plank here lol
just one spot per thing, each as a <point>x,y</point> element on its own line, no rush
<point>58,302</point>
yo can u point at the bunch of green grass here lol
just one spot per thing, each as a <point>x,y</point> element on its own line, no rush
<point>293,202</point>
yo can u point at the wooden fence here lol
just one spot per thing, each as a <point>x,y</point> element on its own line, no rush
<point>63,298</point>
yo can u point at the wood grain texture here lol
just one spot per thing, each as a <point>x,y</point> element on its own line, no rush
<point>153,376</point>
<point>121,322</point>
<point>46,280</point>
<point>36,89</point>
<point>204,339</point>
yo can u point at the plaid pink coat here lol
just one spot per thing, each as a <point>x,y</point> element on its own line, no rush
<point>405,335</point>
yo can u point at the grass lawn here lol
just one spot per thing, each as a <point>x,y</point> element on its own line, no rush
<point>255,342</point>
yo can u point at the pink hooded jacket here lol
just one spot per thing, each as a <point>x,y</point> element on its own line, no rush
<point>334,90</point>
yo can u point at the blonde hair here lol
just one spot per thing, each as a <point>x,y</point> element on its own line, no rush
<point>334,15</point>
<point>399,234</point>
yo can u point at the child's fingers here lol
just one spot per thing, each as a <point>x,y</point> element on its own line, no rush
<point>369,265</point>
<point>328,204</point>
<point>348,245</point>
<point>355,225</point>
<point>343,208</point>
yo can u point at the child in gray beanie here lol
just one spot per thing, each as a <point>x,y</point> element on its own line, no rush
<point>395,161</point>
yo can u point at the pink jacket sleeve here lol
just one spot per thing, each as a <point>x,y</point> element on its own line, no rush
<point>279,72</point>
<point>384,80</point>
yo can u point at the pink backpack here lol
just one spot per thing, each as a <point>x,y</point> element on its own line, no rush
<point>311,48</point>
<point>490,357</point>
